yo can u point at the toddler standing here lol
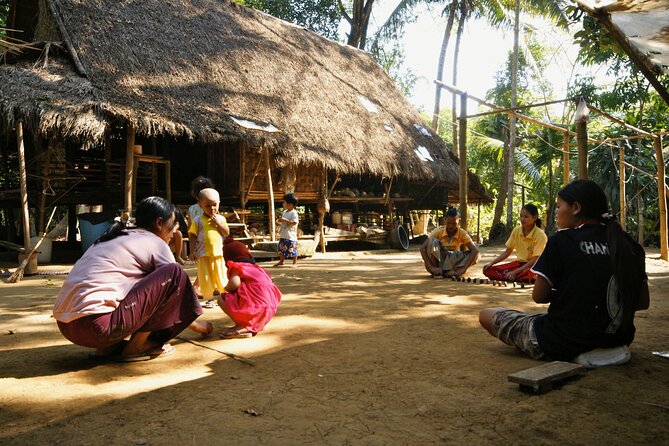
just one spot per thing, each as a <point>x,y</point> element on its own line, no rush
<point>288,233</point>
<point>209,229</point>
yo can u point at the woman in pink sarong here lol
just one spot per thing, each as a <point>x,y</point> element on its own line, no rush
<point>251,299</point>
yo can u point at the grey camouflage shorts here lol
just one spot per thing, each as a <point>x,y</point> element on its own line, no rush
<point>517,328</point>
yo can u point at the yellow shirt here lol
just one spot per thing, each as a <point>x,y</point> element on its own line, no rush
<point>528,246</point>
<point>455,243</point>
<point>209,240</point>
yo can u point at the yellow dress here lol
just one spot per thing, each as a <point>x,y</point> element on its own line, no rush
<point>211,272</point>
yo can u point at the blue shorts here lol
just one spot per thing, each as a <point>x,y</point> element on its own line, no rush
<point>288,248</point>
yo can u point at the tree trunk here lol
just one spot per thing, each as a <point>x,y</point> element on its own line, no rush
<point>359,21</point>
<point>512,120</point>
<point>440,66</point>
<point>456,56</point>
<point>503,187</point>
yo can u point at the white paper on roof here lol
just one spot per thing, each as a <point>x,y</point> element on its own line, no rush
<point>255,126</point>
<point>422,130</point>
<point>369,105</point>
<point>388,127</point>
<point>423,154</point>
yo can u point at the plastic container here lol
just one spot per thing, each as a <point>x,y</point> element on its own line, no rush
<point>399,238</point>
<point>336,218</point>
<point>346,217</point>
<point>92,225</point>
<point>44,250</point>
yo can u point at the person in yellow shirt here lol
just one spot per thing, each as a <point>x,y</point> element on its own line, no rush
<point>449,250</point>
<point>529,241</point>
<point>210,228</point>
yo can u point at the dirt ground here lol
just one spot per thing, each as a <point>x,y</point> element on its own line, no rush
<point>365,349</point>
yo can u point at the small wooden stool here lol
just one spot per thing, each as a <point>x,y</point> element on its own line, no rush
<point>540,379</point>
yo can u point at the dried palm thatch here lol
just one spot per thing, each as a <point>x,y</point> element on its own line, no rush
<point>205,68</point>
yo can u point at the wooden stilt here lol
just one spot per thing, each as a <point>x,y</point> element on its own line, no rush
<point>661,184</point>
<point>24,185</point>
<point>270,196</point>
<point>129,167</point>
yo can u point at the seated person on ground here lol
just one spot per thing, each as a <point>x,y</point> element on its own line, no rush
<point>444,251</point>
<point>592,275</point>
<point>528,240</point>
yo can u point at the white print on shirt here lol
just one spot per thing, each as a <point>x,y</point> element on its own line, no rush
<point>594,248</point>
<point>613,306</point>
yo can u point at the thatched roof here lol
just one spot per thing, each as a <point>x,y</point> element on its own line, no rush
<point>208,69</point>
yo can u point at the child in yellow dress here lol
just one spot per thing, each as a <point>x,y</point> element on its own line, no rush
<point>210,228</point>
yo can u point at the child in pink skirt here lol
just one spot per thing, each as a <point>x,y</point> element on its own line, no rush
<point>250,298</point>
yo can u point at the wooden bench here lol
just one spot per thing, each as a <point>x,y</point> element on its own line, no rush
<point>540,379</point>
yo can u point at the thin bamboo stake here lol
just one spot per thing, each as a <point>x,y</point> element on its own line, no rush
<point>661,185</point>
<point>66,37</point>
<point>565,159</point>
<point>621,183</point>
<point>231,355</point>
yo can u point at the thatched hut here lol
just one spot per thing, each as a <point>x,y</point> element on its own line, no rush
<point>205,87</point>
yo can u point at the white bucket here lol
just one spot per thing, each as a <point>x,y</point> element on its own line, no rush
<point>44,249</point>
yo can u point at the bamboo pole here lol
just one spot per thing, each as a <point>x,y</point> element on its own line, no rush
<point>565,158</point>
<point>462,147</point>
<point>46,170</point>
<point>66,38</point>
<point>255,174</point>
<point>24,185</point>
<point>621,182</point>
<point>270,196</point>
<point>582,140</point>
<point>661,185</point>
<point>242,174</point>
<point>129,167</point>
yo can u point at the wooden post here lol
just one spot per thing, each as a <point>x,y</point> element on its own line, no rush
<point>478,221</point>
<point>270,196</point>
<point>661,184</point>
<point>24,185</point>
<point>46,170</point>
<point>168,181</point>
<point>462,149</point>
<point>129,166</point>
<point>241,147</point>
<point>581,119</point>
<point>565,158</point>
<point>321,230</point>
<point>621,183</point>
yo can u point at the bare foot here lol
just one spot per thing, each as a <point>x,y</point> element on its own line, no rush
<point>277,264</point>
<point>294,265</point>
<point>180,261</point>
<point>204,328</point>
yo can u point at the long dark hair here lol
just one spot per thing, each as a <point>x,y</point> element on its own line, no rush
<point>147,212</point>
<point>198,184</point>
<point>627,256</point>
<point>534,212</point>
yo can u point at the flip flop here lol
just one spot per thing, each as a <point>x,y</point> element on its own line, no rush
<point>165,350</point>
<point>118,348</point>
<point>233,333</point>
<point>209,304</point>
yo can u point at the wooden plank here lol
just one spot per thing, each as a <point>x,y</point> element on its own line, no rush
<point>541,378</point>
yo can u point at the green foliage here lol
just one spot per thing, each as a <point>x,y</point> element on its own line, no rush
<point>321,16</point>
<point>391,59</point>
<point>4,14</point>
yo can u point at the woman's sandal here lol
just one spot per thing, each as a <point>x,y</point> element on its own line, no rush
<point>112,352</point>
<point>165,350</point>
<point>233,333</point>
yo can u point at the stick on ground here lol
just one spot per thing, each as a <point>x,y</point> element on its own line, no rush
<point>232,355</point>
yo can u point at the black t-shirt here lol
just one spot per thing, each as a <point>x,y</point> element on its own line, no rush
<point>585,310</point>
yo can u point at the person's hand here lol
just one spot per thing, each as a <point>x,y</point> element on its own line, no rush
<point>511,275</point>
<point>460,270</point>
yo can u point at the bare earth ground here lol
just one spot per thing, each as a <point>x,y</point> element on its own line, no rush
<point>365,349</point>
